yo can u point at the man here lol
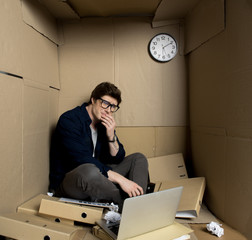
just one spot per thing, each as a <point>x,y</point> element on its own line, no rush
<point>87,160</point>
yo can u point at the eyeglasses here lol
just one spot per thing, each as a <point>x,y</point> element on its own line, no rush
<point>105,104</point>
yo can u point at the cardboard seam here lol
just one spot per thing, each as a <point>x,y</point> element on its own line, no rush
<point>23,136</point>
<point>40,33</point>
<point>11,74</point>
<point>162,23</point>
<point>204,42</point>
<point>198,45</point>
<point>214,131</point>
<point>24,21</point>
<point>245,138</point>
<point>54,88</point>
<point>33,84</point>
<point>219,131</point>
<point>72,8</point>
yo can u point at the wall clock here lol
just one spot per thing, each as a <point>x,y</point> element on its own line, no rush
<point>163,47</point>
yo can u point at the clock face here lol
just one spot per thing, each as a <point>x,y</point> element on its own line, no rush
<point>163,47</point>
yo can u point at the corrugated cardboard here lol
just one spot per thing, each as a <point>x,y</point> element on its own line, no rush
<point>121,61</point>
<point>217,71</point>
<point>167,167</point>
<point>30,227</point>
<point>75,212</point>
<point>158,141</point>
<point>220,97</point>
<point>170,140</point>
<point>135,70</point>
<point>170,12</point>
<point>121,7</point>
<point>198,26</point>
<point>39,64</point>
<point>54,105</point>
<point>192,195</point>
<point>36,15</point>
<point>10,142</point>
<point>229,233</point>
<point>60,9</point>
<point>36,138</point>
<point>11,38</point>
<point>132,138</point>
<point>80,58</point>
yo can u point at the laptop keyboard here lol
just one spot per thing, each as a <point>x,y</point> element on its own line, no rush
<point>114,228</point>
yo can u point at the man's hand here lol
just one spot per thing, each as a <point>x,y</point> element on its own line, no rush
<point>109,122</point>
<point>128,186</point>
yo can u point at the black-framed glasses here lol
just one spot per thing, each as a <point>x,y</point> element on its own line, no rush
<point>106,104</point>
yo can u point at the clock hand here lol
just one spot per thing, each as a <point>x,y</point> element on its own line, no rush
<point>163,51</point>
<point>166,45</point>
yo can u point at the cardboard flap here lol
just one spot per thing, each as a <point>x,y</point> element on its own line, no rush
<point>39,18</point>
<point>167,167</point>
<point>170,12</point>
<point>201,25</point>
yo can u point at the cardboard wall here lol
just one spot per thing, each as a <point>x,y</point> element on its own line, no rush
<point>153,114</point>
<point>42,81</point>
<point>28,67</point>
<point>115,50</point>
<point>91,51</point>
<point>221,117</point>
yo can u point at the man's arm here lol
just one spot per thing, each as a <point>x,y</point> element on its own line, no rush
<point>77,148</point>
<point>128,186</point>
<point>109,122</point>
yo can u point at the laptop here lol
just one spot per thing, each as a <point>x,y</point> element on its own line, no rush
<point>144,214</point>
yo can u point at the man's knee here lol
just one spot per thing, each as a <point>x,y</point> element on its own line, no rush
<point>87,172</point>
<point>140,158</point>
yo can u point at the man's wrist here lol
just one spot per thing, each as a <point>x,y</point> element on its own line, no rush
<point>112,140</point>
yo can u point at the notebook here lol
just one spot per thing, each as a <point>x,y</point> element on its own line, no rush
<point>145,213</point>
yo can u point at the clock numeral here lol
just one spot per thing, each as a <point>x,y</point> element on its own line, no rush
<point>153,48</point>
<point>154,43</point>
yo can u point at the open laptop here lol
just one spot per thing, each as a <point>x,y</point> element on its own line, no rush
<point>144,214</point>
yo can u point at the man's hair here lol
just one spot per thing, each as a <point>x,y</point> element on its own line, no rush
<point>106,88</point>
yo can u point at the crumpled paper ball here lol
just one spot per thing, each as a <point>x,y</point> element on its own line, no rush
<point>215,228</point>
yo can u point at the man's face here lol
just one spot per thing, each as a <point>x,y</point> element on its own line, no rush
<point>104,106</point>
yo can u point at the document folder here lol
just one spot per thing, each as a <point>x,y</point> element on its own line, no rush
<point>191,199</point>
<point>75,212</point>
<point>30,227</point>
<point>32,207</point>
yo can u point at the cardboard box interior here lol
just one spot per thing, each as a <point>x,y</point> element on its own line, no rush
<point>198,104</point>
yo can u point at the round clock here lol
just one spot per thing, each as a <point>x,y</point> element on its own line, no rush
<point>163,47</point>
